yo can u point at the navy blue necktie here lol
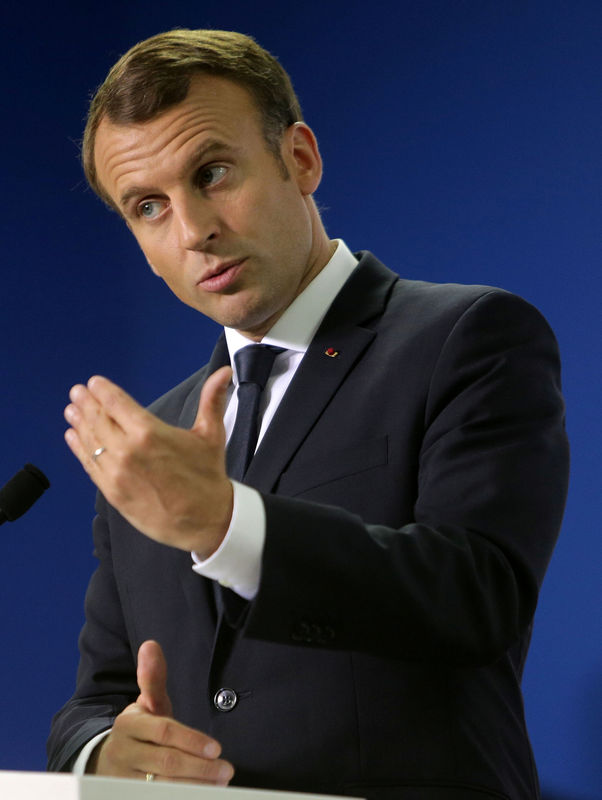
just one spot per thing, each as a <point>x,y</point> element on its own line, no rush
<point>253,366</point>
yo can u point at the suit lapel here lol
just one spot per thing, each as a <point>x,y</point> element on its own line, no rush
<point>347,329</point>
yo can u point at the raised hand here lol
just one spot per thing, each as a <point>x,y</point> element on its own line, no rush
<point>169,483</point>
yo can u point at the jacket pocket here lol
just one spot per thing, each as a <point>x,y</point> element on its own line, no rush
<point>307,473</point>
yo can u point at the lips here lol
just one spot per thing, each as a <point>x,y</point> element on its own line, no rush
<point>222,276</point>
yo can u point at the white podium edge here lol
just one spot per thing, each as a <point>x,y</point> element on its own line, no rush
<point>16,785</point>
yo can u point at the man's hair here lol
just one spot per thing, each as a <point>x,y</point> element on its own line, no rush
<point>155,75</point>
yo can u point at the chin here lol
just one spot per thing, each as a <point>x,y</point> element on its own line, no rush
<point>257,320</point>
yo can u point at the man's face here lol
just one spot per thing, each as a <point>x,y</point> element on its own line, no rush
<point>211,208</point>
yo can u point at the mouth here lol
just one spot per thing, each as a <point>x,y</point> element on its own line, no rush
<point>221,277</point>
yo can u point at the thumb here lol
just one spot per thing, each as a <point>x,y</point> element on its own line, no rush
<point>209,422</point>
<point>151,675</point>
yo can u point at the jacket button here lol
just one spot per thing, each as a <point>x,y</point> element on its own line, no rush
<point>225,699</point>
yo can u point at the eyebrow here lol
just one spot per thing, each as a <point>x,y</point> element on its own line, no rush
<point>205,150</point>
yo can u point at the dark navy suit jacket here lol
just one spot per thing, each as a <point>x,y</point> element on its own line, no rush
<point>414,486</point>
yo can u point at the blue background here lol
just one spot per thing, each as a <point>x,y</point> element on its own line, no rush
<point>462,142</point>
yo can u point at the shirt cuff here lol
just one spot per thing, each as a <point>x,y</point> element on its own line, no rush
<point>236,564</point>
<point>81,762</point>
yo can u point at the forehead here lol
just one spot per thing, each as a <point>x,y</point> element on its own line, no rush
<point>215,110</point>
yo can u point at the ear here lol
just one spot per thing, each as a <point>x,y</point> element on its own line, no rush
<point>302,157</point>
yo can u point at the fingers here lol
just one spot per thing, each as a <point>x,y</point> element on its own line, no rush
<point>167,482</point>
<point>210,415</point>
<point>93,424</point>
<point>79,450</point>
<point>103,405</point>
<point>137,723</point>
<point>152,679</point>
<point>141,742</point>
<point>117,404</point>
<point>90,425</point>
<point>102,414</point>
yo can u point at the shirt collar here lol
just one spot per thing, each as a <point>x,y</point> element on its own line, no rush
<point>297,326</point>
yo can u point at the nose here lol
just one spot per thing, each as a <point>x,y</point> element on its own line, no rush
<point>196,221</point>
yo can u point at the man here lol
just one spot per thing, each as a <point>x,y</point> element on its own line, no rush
<point>356,614</point>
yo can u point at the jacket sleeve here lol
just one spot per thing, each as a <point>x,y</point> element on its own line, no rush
<point>458,580</point>
<point>106,678</point>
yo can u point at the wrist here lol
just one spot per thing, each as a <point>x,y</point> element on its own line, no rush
<point>216,528</point>
<point>92,763</point>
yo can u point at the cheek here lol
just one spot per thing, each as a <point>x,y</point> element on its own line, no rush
<point>260,205</point>
<point>156,255</point>
<point>242,213</point>
<point>282,222</point>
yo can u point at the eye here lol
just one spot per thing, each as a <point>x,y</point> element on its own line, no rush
<point>150,209</point>
<point>207,176</point>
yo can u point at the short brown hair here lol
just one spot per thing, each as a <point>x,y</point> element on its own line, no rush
<point>155,75</point>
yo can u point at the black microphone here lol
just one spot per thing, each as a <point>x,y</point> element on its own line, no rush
<point>21,492</point>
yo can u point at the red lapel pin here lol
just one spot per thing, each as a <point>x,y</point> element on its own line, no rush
<point>331,352</point>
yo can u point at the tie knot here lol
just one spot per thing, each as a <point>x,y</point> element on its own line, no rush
<point>254,363</point>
